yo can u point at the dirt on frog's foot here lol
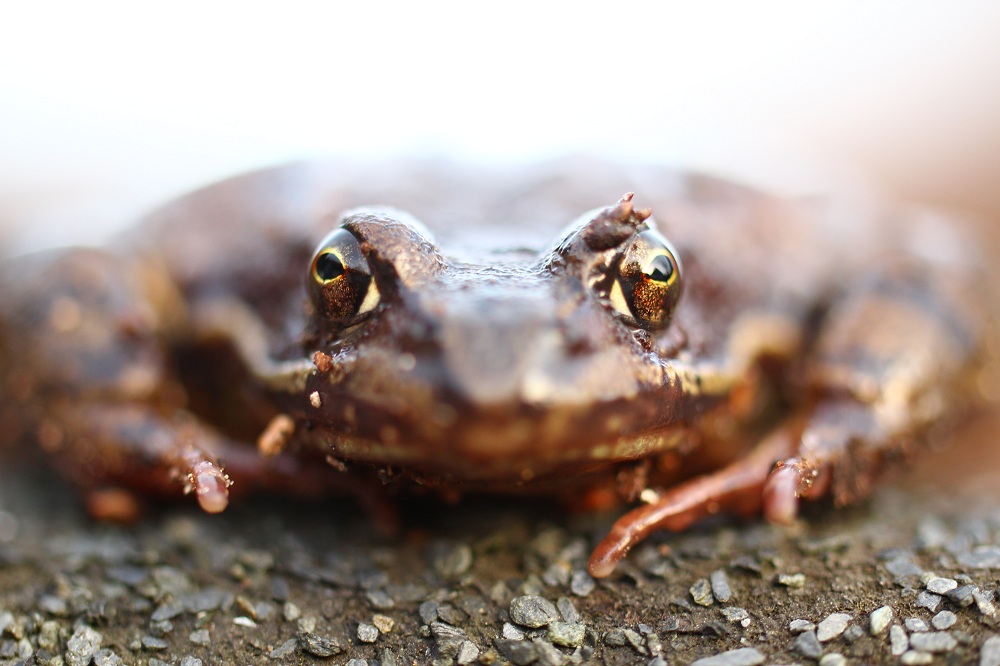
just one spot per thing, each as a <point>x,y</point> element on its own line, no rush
<point>909,577</point>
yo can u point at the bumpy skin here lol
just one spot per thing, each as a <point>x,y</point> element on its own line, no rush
<point>810,345</point>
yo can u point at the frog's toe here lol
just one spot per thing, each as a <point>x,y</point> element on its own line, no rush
<point>790,480</point>
<point>210,484</point>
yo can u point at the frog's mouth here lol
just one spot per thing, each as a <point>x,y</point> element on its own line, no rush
<point>502,390</point>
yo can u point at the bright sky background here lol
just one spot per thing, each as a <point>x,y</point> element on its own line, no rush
<point>107,108</point>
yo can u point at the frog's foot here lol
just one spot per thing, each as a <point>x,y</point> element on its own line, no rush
<point>737,488</point>
<point>205,477</point>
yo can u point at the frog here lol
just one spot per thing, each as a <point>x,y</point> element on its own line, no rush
<point>696,348</point>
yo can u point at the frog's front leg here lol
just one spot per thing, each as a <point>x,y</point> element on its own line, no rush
<point>893,358</point>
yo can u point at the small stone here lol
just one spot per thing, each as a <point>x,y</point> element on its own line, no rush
<point>916,658</point>
<point>533,611</point>
<point>153,643</point>
<point>962,596</point>
<point>934,641</point>
<point>880,619</point>
<point>853,633</point>
<point>939,585</point>
<point>53,605</point>
<point>798,626</point>
<point>105,657</point>
<point>808,645</point>
<point>581,584</point>
<point>989,655</point>
<point>467,653</point>
<point>634,639</point>
<point>367,633</point>
<point>383,623</point>
<point>48,637</point>
<point>701,592</point>
<point>899,642</point>
<point>833,659</point>
<point>290,612</point>
<point>167,612</point>
<point>903,566</point>
<point>200,637</point>
<point>984,602</point>
<point>615,637</point>
<point>928,600</point>
<point>738,657</point>
<point>319,646</point>
<point>519,653</point>
<point>566,634</point>
<point>567,609</point>
<point>191,661</point>
<point>447,637</point>
<point>428,611</point>
<point>511,633</point>
<point>735,614</point>
<point>654,644</point>
<point>832,626</point>
<point>792,581</point>
<point>720,586</point>
<point>244,621</point>
<point>82,645</point>
<point>380,600</point>
<point>944,620</point>
<point>914,624</point>
<point>451,560</point>
<point>284,650</point>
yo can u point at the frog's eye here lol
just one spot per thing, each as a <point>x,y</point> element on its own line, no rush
<point>648,284</point>
<point>340,281</point>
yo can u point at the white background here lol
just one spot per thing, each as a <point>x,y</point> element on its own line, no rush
<point>107,108</point>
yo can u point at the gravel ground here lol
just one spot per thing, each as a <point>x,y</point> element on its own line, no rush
<point>910,577</point>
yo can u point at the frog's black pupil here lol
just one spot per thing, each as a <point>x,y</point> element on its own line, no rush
<point>328,266</point>
<point>660,269</point>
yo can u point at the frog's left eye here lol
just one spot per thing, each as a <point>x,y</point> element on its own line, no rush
<point>648,284</point>
<point>340,281</point>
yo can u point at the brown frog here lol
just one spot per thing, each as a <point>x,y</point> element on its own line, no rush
<point>769,351</point>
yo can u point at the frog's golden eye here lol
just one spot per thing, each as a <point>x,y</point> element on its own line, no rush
<point>341,285</point>
<point>648,284</point>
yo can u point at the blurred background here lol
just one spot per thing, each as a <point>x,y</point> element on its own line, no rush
<point>108,108</point>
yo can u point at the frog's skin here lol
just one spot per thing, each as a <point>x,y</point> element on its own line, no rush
<point>495,352</point>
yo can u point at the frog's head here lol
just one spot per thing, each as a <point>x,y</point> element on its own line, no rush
<point>511,364</point>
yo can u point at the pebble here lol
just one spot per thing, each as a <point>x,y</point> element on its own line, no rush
<point>290,612</point>
<point>519,653</point>
<point>428,611</point>
<point>989,655</point>
<point>451,560</point>
<point>916,658</point>
<point>832,626</point>
<point>962,596</point>
<point>939,585</point>
<point>380,600</point>
<point>367,633</point>
<point>105,657</point>
<point>567,609</point>
<point>928,600</point>
<point>833,659</point>
<point>944,620</point>
<point>319,646</point>
<point>467,654</point>
<point>735,614</point>
<point>720,586</point>
<point>581,583</point>
<point>808,645</point>
<point>701,592</point>
<point>934,641</point>
<point>82,645</point>
<point>880,619</point>
<point>53,605</point>
<point>793,581</point>
<point>899,642</point>
<point>200,637</point>
<point>903,566</point>
<point>154,643</point>
<point>984,602</point>
<point>738,657</point>
<point>533,611</point>
<point>798,626</point>
<point>566,634</point>
<point>511,633</point>
<point>284,650</point>
<point>916,624</point>
<point>191,661</point>
<point>383,623</point>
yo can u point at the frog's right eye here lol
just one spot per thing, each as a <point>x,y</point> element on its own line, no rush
<point>340,280</point>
